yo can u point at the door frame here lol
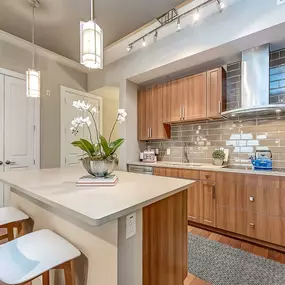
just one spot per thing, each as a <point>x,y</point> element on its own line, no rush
<point>63,90</point>
<point>37,131</point>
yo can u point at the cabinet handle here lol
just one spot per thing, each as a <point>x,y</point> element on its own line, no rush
<point>220,107</point>
<point>251,199</point>
<point>183,113</point>
<point>150,132</point>
<point>180,113</point>
<point>252,225</point>
<point>207,176</point>
<point>214,191</point>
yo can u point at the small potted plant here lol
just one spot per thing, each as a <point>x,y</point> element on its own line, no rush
<point>218,157</point>
<point>99,154</point>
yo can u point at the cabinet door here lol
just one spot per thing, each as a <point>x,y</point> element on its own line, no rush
<point>196,95</point>
<point>176,100</point>
<point>166,102</point>
<point>208,203</point>
<point>158,130</point>
<point>194,201</point>
<point>215,92</point>
<point>143,132</point>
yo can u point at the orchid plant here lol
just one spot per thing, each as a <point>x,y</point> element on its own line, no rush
<point>98,148</point>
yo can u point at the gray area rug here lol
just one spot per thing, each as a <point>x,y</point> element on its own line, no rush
<point>220,264</point>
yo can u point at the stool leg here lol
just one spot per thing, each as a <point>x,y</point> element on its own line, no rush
<point>45,277</point>
<point>10,233</point>
<point>68,273</point>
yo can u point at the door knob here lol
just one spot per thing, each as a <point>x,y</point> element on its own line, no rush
<point>8,162</point>
<point>251,199</point>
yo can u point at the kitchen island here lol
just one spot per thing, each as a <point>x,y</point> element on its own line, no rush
<point>94,220</point>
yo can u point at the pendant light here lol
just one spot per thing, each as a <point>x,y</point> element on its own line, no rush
<point>91,43</point>
<point>33,76</point>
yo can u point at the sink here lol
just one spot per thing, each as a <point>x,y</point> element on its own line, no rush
<point>242,167</point>
<point>183,164</point>
<point>193,164</point>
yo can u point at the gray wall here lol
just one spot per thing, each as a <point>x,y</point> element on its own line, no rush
<point>53,75</point>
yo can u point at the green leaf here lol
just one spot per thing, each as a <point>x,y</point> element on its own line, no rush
<point>84,145</point>
<point>88,146</point>
<point>105,146</point>
<point>116,144</point>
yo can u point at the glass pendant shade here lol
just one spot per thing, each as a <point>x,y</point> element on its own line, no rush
<point>33,83</point>
<point>91,45</point>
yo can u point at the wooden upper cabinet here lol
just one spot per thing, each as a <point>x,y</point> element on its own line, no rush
<point>150,114</point>
<point>166,103</point>
<point>195,97</point>
<point>142,115</point>
<point>216,92</point>
<point>176,100</point>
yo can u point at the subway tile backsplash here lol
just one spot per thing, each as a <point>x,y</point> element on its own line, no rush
<point>242,138</point>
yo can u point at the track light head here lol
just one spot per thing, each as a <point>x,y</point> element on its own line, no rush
<point>155,36</point>
<point>221,5</point>
<point>143,42</point>
<point>130,47</point>
<point>196,16</point>
<point>178,25</point>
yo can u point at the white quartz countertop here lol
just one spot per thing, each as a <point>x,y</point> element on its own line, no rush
<point>93,205</point>
<point>208,167</point>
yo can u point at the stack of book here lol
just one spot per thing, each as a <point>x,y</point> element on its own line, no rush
<point>89,181</point>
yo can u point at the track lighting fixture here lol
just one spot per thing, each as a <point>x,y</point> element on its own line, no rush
<point>172,16</point>
<point>196,16</point>
<point>178,25</point>
<point>155,36</point>
<point>221,5</point>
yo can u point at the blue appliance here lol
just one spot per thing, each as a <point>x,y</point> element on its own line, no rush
<point>262,160</point>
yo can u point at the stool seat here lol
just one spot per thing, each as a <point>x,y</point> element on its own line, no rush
<point>29,256</point>
<point>11,215</point>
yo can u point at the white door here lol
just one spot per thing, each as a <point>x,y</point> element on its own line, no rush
<point>1,136</point>
<point>19,124</point>
<point>70,155</point>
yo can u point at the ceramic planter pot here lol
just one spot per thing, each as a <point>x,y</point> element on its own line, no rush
<point>218,162</point>
<point>100,168</point>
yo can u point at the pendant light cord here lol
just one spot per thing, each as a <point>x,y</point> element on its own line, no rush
<point>33,37</point>
<point>92,10</point>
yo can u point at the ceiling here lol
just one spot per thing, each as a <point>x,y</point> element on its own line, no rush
<point>57,21</point>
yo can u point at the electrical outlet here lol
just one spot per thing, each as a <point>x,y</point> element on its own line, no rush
<point>131,225</point>
<point>279,2</point>
<point>47,92</point>
<point>168,151</point>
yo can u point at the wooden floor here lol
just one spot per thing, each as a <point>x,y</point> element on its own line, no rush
<point>261,251</point>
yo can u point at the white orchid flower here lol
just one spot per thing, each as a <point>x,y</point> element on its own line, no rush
<point>121,116</point>
<point>81,105</point>
<point>94,110</point>
<point>87,121</point>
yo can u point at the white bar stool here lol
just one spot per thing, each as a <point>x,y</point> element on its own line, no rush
<point>32,255</point>
<point>11,218</point>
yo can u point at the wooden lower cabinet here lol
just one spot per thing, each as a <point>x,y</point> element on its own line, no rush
<point>232,220</point>
<point>249,205</point>
<point>208,203</point>
<point>194,202</point>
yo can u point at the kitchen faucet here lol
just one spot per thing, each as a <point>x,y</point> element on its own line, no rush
<point>185,158</point>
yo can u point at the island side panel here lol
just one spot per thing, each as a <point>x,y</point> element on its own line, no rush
<point>165,241</point>
<point>99,245</point>
<point>130,253</point>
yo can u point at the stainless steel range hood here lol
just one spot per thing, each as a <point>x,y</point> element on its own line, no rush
<point>254,99</point>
